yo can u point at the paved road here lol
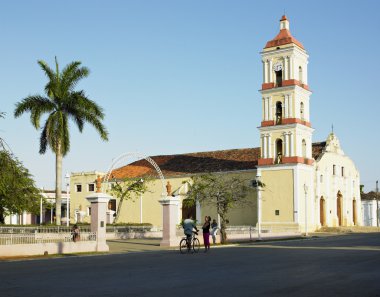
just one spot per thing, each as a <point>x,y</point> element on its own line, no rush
<point>347,265</point>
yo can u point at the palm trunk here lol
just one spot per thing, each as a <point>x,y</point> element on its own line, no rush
<point>58,185</point>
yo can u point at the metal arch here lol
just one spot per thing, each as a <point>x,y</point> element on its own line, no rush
<point>139,156</point>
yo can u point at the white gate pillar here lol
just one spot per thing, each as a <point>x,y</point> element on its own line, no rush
<point>99,206</point>
<point>170,217</point>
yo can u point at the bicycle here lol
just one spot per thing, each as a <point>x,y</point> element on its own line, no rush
<point>191,244</point>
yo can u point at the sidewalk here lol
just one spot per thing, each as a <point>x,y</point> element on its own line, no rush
<point>149,245</point>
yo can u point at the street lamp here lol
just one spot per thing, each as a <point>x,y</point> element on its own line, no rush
<point>305,187</point>
<point>258,183</point>
<point>67,180</point>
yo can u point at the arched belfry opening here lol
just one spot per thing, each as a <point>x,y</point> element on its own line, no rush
<point>278,113</point>
<point>278,78</point>
<point>279,151</point>
<point>302,110</point>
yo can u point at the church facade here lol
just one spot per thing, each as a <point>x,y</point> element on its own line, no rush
<point>315,191</point>
<point>307,185</point>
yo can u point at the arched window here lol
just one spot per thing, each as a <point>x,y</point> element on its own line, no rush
<point>302,111</point>
<point>278,78</point>
<point>300,74</point>
<point>278,151</point>
<point>278,113</point>
<point>304,148</point>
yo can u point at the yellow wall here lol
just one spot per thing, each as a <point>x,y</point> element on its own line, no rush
<point>277,195</point>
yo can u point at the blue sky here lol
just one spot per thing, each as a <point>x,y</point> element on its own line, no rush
<point>183,76</point>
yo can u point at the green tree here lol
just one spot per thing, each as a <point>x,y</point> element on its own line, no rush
<point>61,103</point>
<point>18,192</point>
<point>128,189</point>
<point>220,191</point>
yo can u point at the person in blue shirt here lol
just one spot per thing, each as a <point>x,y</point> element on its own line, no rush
<point>188,226</point>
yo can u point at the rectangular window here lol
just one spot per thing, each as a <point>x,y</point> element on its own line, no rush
<point>277,212</point>
<point>342,171</point>
<point>78,188</point>
<point>88,211</point>
<point>91,187</point>
<point>334,169</point>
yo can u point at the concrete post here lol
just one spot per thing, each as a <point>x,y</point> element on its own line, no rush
<point>99,207</point>
<point>170,219</point>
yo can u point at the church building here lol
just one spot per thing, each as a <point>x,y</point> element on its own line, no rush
<point>301,190</point>
<point>307,185</point>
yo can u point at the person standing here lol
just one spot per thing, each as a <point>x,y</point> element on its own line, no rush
<point>75,233</point>
<point>206,233</point>
<point>214,229</point>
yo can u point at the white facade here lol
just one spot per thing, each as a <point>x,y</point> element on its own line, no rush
<point>337,187</point>
<point>369,215</point>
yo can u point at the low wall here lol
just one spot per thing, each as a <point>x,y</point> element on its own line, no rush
<point>51,248</point>
<point>134,234</point>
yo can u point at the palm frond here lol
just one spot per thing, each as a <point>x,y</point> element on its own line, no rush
<point>37,105</point>
<point>43,139</point>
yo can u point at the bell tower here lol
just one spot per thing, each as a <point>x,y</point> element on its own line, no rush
<point>285,130</point>
<point>286,161</point>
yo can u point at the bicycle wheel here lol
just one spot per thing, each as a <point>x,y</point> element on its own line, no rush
<point>183,246</point>
<point>196,245</point>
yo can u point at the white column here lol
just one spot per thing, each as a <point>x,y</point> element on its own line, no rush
<point>291,144</point>
<point>269,146</point>
<point>286,106</point>
<point>290,100</point>
<point>270,108</point>
<point>266,108</point>
<point>265,146</point>
<point>270,71</point>
<point>265,70</point>
<point>285,68</point>
<point>285,144</point>
<point>291,72</point>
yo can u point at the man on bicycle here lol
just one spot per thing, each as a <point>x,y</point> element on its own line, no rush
<point>188,226</point>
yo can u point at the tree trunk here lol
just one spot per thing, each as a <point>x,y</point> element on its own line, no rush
<point>58,185</point>
<point>223,227</point>
<point>2,218</point>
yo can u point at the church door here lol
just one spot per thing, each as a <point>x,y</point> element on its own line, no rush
<point>322,214</point>
<point>339,208</point>
<point>354,211</point>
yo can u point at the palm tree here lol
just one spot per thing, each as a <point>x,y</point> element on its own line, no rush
<point>61,103</point>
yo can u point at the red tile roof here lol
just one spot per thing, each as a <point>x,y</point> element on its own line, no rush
<point>187,164</point>
<point>282,38</point>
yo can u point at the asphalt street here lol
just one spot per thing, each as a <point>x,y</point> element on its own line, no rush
<point>347,265</point>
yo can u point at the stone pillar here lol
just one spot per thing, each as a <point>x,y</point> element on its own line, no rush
<point>265,155</point>
<point>269,146</point>
<point>99,207</point>
<point>270,71</point>
<point>170,219</point>
<point>265,80</point>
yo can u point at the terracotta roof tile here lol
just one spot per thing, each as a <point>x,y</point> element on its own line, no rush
<point>202,162</point>
<point>282,38</point>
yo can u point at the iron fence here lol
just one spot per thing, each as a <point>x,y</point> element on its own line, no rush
<point>34,238</point>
